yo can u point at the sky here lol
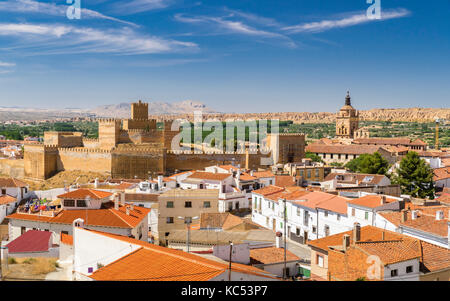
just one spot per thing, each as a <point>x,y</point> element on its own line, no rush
<point>233,56</point>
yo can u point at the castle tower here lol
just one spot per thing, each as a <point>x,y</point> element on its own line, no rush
<point>139,110</point>
<point>108,132</point>
<point>347,121</point>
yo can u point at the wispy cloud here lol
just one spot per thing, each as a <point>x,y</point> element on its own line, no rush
<point>264,21</point>
<point>233,26</point>
<point>5,64</point>
<point>351,20</point>
<point>138,6</point>
<point>63,39</point>
<point>52,9</point>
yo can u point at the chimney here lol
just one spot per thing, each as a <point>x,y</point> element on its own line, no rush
<point>160,182</point>
<point>414,214</point>
<point>122,198</point>
<point>96,183</point>
<point>131,207</point>
<point>116,201</point>
<point>279,240</point>
<point>356,232</point>
<point>404,215</point>
<point>383,199</point>
<point>251,173</point>
<point>439,215</point>
<point>127,210</point>
<point>346,242</point>
<point>238,174</point>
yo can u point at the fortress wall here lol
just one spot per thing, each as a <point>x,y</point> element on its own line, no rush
<point>139,124</point>
<point>12,168</point>
<point>93,160</point>
<point>63,139</point>
<point>138,162</point>
<point>40,161</point>
<point>91,143</point>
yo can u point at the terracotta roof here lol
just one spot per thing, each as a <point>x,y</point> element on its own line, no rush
<point>265,191</point>
<point>228,167</point>
<point>323,200</point>
<point>107,217</point>
<point>141,197</point>
<point>368,233</point>
<point>156,263</point>
<point>83,193</point>
<point>66,239</point>
<point>270,255</point>
<point>7,199</point>
<point>125,185</point>
<point>12,182</point>
<point>441,173</point>
<point>444,198</point>
<point>209,176</point>
<point>31,241</point>
<point>342,149</point>
<point>446,162</point>
<point>394,251</point>
<point>181,173</point>
<point>383,141</point>
<point>371,201</point>
<point>435,258</point>
<point>263,174</point>
<point>246,177</point>
<point>284,181</point>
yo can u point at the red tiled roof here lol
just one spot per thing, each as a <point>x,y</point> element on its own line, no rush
<point>156,263</point>
<point>342,149</point>
<point>31,241</point>
<point>265,191</point>
<point>209,176</point>
<point>271,255</point>
<point>263,174</point>
<point>83,193</point>
<point>357,178</point>
<point>107,217</point>
<point>7,199</point>
<point>441,173</point>
<point>284,181</point>
<point>323,200</point>
<point>12,182</point>
<point>435,258</point>
<point>371,201</point>
<point>66,239</point>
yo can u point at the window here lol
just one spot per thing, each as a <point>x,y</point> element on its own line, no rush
<point>308,174</point>
<point>188,220</point>
<point>394,273</point>
<point>353,211</point>
<point>338,217</point>
<point>409,269</point>
<point>298,211</point>
<point>3,191</point>
<point>297,231</point>
<point>188,204</point>
<point>169,220</point>
<point>327,230</point>
<point>325,213</point>
<point>319,260</point>
<point>207,204</point>
<point>69,203</point>
<point>314,229</point>
<point>169,204</point>
<point>81,203</point>
<point>366,215</point>
<point>317,173</point>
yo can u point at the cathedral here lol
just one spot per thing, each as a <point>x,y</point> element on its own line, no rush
<point>347,121</point>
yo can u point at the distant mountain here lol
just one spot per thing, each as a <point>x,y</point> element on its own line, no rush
<point>123,110</point>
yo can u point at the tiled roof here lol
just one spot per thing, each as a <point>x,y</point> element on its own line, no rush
<point>7,199</point>
<point>125,185</point>
<point>66,239</point>
<point>381,141</point>
<point>83,193</point>
<point>371,201</point>
<point>181,173</point>
<point>263,174</point>
<point>444,198</point>
<point>441,173</point>
<point>323,200</point>
<point>156,263</point>
<point>12,182</point>
<point>368,233</point>
<point>107,217</point>
<point>284,181</point>
<point>246,177</point>
<point>228,167</point>
<point>357,178</point>
<point>342,149</point>
<point>30,241</point>
<point>270,255</point>
<point>141,197</point>
<point>391,252</point>
<point>265,191</point>
<point>209,176</point>
<point>435,258</point>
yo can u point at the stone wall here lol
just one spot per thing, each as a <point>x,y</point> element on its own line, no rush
<point>85,159</point>
<point>12,168</point>
<point>40,161</point>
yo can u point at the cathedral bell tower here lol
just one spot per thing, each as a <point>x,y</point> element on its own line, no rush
<point>347,120</point>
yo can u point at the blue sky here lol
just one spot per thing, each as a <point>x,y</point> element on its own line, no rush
<point>234,55</point>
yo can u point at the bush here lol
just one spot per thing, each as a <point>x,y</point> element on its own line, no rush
<point>29,261</point>
<point>12,260</point>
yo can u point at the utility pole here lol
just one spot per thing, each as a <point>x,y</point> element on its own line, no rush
<point>229,267</point>
<point>285,218</point>
<point>188,221</point>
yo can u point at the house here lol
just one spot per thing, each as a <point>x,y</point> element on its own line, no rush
<point>33,243</point>
<point>66,248</point>
<point>7,206</point>
<point>108,257</point>
<point>338,180</point>
<point>92,205</point>
<point>441,177</point>
<point>225,221</point>
<point>12,192</point>
<point>416,145</point>
<point>351,263</point>
<point>178,207</point>
<point>339,153</point>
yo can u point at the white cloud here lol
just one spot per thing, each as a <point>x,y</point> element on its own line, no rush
<point>138,6</point>
<point>352,20</point>
<point>5,64</point>
<point>32,6</point>
<point>62,39</point>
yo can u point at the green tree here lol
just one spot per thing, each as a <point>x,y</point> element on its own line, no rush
<point>313,157</point>
<point>369,163</point>
<point>415,176</point>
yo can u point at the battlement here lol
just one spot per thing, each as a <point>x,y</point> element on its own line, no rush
<point>109,120</point>
<point>84,150</point>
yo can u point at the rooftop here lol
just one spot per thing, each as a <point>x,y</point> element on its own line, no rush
<point>270,255</point>
<point>83,193</point>
<point>209,176</point>
<point>31,241</point>
<point>372,201</point>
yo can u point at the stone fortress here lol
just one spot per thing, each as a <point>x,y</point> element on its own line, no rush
<point>135,148</point>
